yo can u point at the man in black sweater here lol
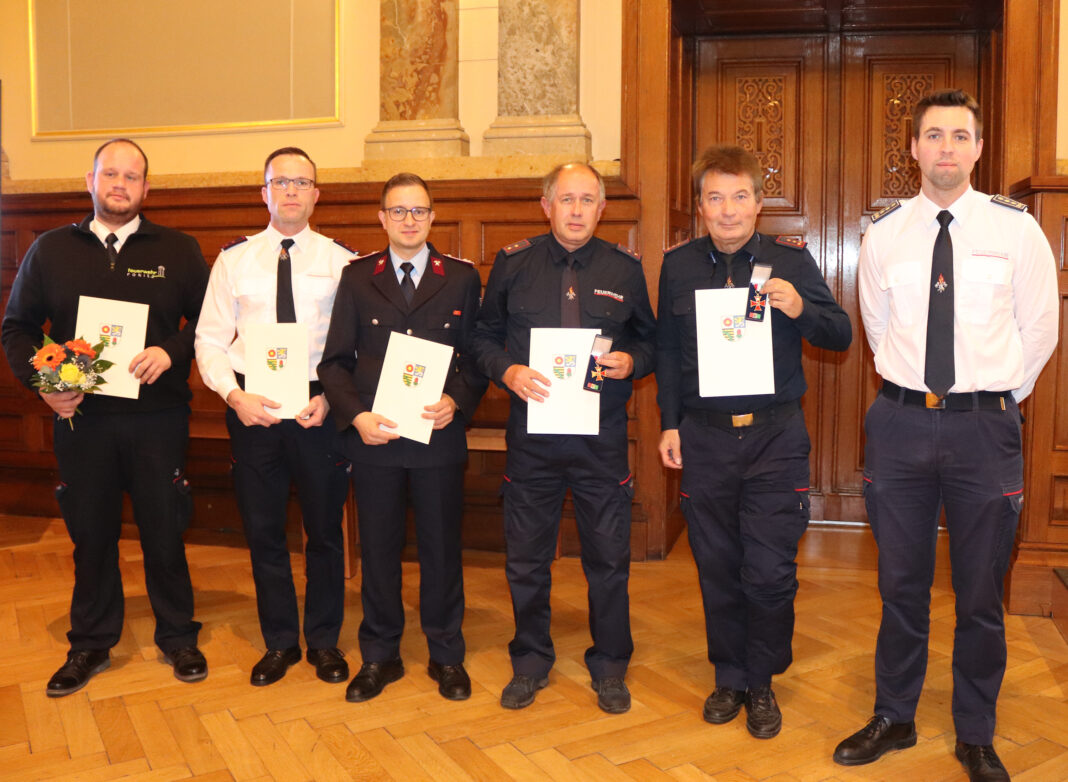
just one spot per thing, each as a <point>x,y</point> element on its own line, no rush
<point>118,444</point>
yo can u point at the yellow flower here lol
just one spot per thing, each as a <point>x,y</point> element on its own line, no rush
<point>69,373</point>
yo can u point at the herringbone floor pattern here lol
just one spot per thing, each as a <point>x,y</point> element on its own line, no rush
<point>136,721</point>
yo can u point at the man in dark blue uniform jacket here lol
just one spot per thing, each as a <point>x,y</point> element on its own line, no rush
<point>567,278</point>
<point>744,488</point>
<point>408,288</point>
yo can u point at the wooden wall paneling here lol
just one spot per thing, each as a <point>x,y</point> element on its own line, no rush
<point>1028,100</point>
<point>1042,537</point>
<point>646,139</point>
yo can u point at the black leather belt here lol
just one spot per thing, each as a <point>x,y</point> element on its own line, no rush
<point>314,386</point>
<point>973,400</point>
<point>765,415</point>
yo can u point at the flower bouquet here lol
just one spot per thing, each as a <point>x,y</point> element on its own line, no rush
<point>73,366</point>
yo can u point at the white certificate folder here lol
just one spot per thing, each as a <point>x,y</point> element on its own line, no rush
<point>562,355</point>
<point>734,356</point>
<point>121,326</point>
<point>413,376</point>
<point>276,365</point>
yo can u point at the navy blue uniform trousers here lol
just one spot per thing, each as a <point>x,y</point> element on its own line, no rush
<point>540,470</point>
<point>915,462</point>
<point>437,498</point>
<point>143,454</point>
<point>266,459</point>
<point>745,499</point>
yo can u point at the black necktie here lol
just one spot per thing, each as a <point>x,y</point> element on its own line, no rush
<point>113,254</point>
<point>285,311</point>
<point>938,370</point>
<point>408,284</point>
<point>569,302</point>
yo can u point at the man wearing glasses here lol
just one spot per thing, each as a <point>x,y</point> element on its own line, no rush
<point>408,288</point>
<point>286,273</point>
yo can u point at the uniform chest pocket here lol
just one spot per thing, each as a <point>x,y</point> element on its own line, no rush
<point>526,304</point>
<point>254,293</point>
<point>317,291</point>
<point>684,310</point>
<point>985,288</point>
<point>606,308</point>
<point>906,284</point>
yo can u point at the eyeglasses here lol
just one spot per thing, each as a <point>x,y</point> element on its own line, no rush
<point>282,183</point>
<point>398,213</point>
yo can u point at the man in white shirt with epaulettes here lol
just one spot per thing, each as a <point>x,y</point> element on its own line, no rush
<point>286,273</point>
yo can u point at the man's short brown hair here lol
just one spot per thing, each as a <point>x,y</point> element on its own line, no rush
<point>727,159</point>
<point>290,151</point>
<point>947,98</point>
<point>405,179</point>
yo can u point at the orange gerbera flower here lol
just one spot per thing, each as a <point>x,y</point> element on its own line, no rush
<point>80,347</point>
<point>50,356</point>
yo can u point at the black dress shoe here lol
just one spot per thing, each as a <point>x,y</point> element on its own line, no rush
<point>981,762</point>
<point>723,705</point>
<point>189,664</point>
<point>519,692</point>
<point>330,665</point>
<point>81,666</point>
<point>763,718</point>
<point>874,740</point>
<point>372,679</point>
<point>613,696</point>
<point>453,681</point>
<point>273,665</point>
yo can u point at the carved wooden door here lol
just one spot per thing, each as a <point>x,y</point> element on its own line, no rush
<point>830,119</point>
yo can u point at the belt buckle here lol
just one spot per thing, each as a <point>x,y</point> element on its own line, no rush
<point>934,401</point>
<point>746,419</point>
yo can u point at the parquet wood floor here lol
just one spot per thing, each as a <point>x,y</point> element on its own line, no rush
<point>135,721</point>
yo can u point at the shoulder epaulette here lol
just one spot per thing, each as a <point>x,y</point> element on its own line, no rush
<point>234,243</point>
<point>628,252</point>
<point>515,247</point>
<point>460,260</point>
<point>885,211</point>
<point>1009,202</point>
<point>676,246</point>
<point>344,246</point>
<point>790,241</point>
<point>365,257</point>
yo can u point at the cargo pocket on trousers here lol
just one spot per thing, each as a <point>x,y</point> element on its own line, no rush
<point>184,504</point>
<point>61,493</point>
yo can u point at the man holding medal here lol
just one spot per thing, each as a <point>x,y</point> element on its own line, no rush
<point>571,279</point>
<point>118,445</point>
<point>744,459</point>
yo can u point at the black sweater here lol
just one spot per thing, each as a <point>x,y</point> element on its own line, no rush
<point>157,266</point>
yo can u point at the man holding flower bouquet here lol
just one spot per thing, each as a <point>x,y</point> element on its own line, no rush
<point>117,444</point>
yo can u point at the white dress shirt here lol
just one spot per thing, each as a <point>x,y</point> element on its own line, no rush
<point>243,288</point>
<point>1005,310</point>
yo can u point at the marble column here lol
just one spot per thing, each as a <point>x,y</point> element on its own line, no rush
<point>419,82</point>
<point>538,81</point>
